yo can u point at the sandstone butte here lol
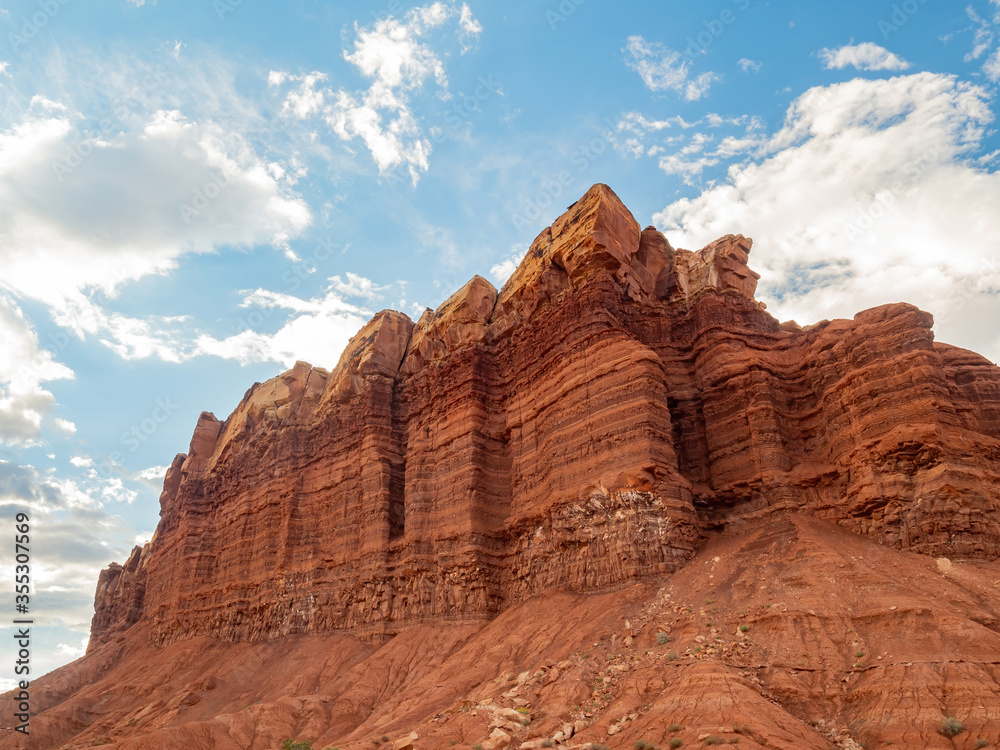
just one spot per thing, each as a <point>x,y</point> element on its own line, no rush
<point>614,502</point>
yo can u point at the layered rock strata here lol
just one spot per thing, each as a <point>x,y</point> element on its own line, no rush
<point>582,428</point>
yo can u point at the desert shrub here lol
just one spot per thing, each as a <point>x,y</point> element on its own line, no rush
<point>547,743</point>
<point>952,727</point>
<point>676,742</point>
<point>291,744</point>
<point>981,743</point>
<point>713,740</point>
<point>643,745</point>
<point>662,638</point>
<point>744,628</point>
<point>674,728</point>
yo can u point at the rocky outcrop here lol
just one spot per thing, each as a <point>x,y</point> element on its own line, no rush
<point>584,427</point>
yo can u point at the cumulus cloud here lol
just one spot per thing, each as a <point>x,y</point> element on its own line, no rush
<point>394,57</point>
<point>79,538</point>
<point>79,211</point>
<point>664,69</point>
<point>82,214</point>
<point>864,56</point>
<point>868,194</point>
<point>747,65</point>
<point>153,473</point>
<point>316,330</point>
<point>24,367</point>
<point>503,270</point>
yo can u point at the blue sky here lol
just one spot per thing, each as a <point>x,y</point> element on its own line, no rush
<point>195,195</point>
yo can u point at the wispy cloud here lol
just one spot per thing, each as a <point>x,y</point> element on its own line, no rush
<point>664,69</point>
<point>864,56</point>
<point>865,197</point>
<point>394,57</point>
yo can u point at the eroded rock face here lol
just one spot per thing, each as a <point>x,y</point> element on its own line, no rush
<point>582,428</point>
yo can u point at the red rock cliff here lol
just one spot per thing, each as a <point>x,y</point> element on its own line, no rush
<point>581,428</point>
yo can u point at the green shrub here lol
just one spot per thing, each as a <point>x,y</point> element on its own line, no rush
<point>674,728</point>
<point>981,743</point>
<point>291,744</point>
<point>676,742</point>
<point>662,638</point>
<point>952,727</point>
<point>744,628</point>
<point>713,740</point>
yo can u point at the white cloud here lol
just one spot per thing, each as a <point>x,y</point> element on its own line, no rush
<point>664,69</point>
<point>992,66</point>
<point>317,330</point>
<point>356,286</point>
<point>502,270</point>
<point>65,650</point>
<point>83,213</point>
<point>747,65</point>
<point>394,57</point>
<point>304,101</point>
<point>864,56</point>
<point>153,473</point>
<point>24,367</point>
<point>81,461</point>
<point>471,28</point>
<point>80,537</point>
<point>983,38</point>
<point>65,426</point>
<point>867,195</point>
<point>688,154</point>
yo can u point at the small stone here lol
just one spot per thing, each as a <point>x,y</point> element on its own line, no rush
<point>405,743</point>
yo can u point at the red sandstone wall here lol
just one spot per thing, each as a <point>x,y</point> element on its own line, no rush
<point>580,428</point>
